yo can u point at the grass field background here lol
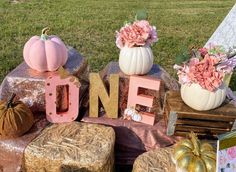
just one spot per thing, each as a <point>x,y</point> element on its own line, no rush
<point>90,26</point>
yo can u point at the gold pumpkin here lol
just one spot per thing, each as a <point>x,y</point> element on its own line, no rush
<point>193,156</point>
<point>15,118</point>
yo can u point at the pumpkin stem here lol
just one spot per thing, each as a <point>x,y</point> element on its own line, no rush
<point>10,101</point>
<point>195,141</point>
<point>44,35</point>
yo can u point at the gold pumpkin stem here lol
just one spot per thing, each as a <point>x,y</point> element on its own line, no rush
<point>195,142</point>
<point>45,31</point>
<point>10,101</point>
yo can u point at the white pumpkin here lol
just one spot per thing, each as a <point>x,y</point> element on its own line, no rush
<point>201,99</point>
<point>136,60</point>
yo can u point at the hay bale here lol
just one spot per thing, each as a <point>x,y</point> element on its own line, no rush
<point>158,160</point>
<point>71,147</point>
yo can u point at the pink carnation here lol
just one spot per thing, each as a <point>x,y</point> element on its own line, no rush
<point>208,72</point>
<point>205,74</point>
<point>140,33</point>
<point>183,74</point>
<point>202,72</point>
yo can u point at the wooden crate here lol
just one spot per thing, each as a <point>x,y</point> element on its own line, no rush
<point>181,119</point>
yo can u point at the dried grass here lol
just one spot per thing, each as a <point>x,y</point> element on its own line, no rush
<point>158,160</point>
<point>71,147</point>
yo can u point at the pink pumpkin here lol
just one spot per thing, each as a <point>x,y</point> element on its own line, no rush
<point>45,53</point>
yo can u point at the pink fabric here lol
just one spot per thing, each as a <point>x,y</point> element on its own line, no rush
<point>12,150</point>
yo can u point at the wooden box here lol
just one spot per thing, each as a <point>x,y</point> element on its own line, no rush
<point>181,119</point>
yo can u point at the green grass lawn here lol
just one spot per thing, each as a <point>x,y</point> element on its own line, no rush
<point>90,25</point>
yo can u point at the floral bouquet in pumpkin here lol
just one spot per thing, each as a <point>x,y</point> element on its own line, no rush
<point>134,40</point>
<point>136,34</point>
<point>204,76</point>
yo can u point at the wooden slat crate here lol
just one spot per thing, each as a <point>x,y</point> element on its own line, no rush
<point>181,119</point>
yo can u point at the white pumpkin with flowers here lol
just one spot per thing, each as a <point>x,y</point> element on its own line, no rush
<point>134,40</point>
<point>205,76</point>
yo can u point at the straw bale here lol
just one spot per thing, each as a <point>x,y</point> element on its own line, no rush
<point>158,160</point>
<point>71,147</point>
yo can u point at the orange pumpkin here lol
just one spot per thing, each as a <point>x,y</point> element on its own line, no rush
<point>15,118</point>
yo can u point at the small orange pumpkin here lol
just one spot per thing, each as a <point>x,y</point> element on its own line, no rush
<point>15,118</point>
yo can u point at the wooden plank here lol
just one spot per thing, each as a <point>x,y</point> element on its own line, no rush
<point>171,123</point>
<point>205,123</point>
<point>166,111</point>
<point>234,126</point>
<point>201,129</point>
<point>185,134</point>
<point>207,117</point>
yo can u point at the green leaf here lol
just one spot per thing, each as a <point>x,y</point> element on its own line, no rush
<point>128,22</point>
<point>141,15</point>
<point>182,58</point>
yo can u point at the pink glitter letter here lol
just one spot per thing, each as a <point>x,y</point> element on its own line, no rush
<point>50,94</point>
<point>133,98</point>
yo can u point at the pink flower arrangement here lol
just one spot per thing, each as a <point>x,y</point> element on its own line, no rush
<point>205,69</point>
<point>138,33</point>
